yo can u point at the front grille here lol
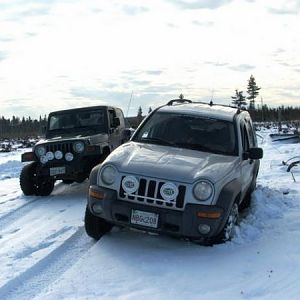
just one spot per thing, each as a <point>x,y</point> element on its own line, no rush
<point>149,193</point>
<point>63,147</point>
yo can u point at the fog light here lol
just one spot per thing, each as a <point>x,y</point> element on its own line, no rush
<point>97,208</point>
<point>50,155</point>
<point>43,159</point>
<point>58,154</point>
<point>204,228</point>
<point>69,156</point>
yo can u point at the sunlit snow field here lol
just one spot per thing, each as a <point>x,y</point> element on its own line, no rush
<point>45,253</point>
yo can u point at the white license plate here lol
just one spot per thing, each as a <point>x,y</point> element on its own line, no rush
<point>57,171</point>
<point>144,218</point>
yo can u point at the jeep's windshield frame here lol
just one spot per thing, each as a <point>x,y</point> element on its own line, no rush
<point>190,132</point>
<point>85,121</point>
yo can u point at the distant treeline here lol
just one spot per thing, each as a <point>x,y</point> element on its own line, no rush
<point>27,127</point>
<point>21,128</point>
<point>282,113</point>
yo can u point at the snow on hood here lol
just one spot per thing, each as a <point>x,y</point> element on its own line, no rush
<point>171,163</point>
<point>96,138</point>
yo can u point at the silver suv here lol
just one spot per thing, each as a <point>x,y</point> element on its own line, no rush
<point>187,171</point>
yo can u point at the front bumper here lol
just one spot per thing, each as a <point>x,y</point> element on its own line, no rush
<point>80,166</point>
<point>180,223</point>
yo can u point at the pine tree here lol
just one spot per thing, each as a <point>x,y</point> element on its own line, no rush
<point>140,112</point>
<point>239,99</point>
<point>140,115</point>
<point>252,90</point>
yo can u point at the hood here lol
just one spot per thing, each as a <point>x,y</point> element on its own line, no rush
<point>175,164</point>
<point>94,139</point>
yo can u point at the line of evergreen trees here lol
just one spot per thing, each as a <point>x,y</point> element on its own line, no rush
<point>25,128</point>
<point>21,128</point>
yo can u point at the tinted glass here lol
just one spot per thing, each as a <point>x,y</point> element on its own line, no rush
<point>192,132</point>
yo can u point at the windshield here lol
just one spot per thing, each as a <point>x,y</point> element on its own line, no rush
<point>78,121</point>
<point>188,131</point>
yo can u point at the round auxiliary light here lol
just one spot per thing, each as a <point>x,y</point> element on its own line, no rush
<point>108,175</point>
<point>169,191</point>
<point>50,155</point>
<point>43,159</point>
<point>40,150</point>
<point>203,190</point>
<point>69,156</point>
<point>130,184</point>
<point>78,147</point>
<point>58,154</point>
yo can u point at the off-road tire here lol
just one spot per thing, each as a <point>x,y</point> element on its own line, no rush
<point>27,179</point>
<point>227,231</point>
<point>45,187</point>
<point>95,227</point>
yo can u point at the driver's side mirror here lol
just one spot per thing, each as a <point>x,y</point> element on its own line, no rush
<point>254,153</point>
<point>127,134</point>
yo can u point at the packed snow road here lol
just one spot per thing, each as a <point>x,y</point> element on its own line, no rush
<point>45,253</point>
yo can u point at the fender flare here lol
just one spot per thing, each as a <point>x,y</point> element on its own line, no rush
<point>229,194</point>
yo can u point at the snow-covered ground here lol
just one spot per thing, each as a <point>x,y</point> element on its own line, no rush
<point>45,253</point>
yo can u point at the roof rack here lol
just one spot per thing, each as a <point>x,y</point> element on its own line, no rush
<point>179,101</point>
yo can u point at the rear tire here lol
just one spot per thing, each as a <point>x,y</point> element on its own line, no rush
<point>95,227</point>
<point>27,179</point>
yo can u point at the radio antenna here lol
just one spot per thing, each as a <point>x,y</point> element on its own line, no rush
<point>129,104</point>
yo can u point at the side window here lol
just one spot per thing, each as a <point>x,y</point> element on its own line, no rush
<point>111,115</point>
<point>245,138</point>
<point>120,116</point>
<point>252,136</point>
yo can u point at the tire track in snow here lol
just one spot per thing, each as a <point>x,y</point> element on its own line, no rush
<point>15,214</point>
<point>31,282</point>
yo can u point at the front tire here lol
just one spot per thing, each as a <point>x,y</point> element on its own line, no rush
<point>27,179</point>
<point>95,227</point>
<point>45,186</point>
<point>227,231</point>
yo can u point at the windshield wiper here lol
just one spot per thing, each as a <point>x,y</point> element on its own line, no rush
<point>157,141</point>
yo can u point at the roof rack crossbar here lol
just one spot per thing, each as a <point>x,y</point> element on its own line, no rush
<point>179,101</point>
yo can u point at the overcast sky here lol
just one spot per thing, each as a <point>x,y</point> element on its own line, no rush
<point>58,54</point>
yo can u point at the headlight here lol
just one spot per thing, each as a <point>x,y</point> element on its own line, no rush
<point>78,147</point>
<point>203,190</point>
<point>40,151</point>
<point>108,175</point>
<point>69,156</point>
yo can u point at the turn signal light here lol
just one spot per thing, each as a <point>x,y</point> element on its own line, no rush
<point>96,194</point>
<point>28,156</point>
<point>209,215</point>
<point>90,148</point>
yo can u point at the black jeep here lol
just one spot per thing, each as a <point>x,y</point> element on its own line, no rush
<point>75,141</point>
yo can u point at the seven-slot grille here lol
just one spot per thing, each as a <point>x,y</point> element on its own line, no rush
<point>149,193</point>
<point>63,147</point>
